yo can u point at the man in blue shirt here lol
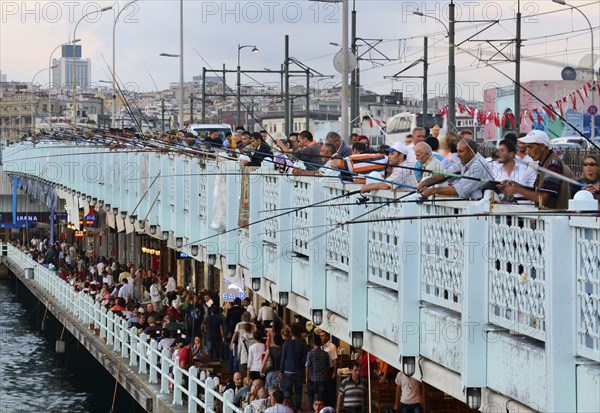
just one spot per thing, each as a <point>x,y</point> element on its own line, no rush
<point>472,165</point>
<point>293,360</point>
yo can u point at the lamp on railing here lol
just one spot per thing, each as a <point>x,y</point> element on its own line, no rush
<point>178,242</point>
<point>153,229</point>
<point>474,397</point>
<point>142,223</point>
<point>78,194</point>
<point>94,201</point>
<point>156,252</point>
<point>317,317</point>
<point>165,235</point>
<point>256,283</point>
<point>194,249</point>
<point>357,339</point>
<point>132,219</point>
<point>100,202</point>
<point>284,298</point>
<point>107,207</point>
<point>89,198</point>
<point>232,268</point>
<point>115,211</point>
<point>83,196</point>
<point>144,250</point>
<point>123,214</point>
<point>408,365</point>
<point>212,259</point>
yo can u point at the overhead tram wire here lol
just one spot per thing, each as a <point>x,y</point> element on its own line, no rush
<point>521,87</point>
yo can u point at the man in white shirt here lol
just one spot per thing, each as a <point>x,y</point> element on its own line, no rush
<point>247,304</point>
<point>418,135</point>
<point>506,168</point>
<point>408,394</point>
<point>277,405</point>
<point>266,314</point>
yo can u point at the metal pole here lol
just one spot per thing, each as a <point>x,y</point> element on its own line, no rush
<point>353,75</point>
<point>307,99</point>
<point>451,72</point>
<point>181,122</point>
<point>162,106</point>
<point>345,114</point>
<point>238,86</point>
<point>286,98</point>
<point>517,112</point>
<point>203,95</point>
<point>191,109</point>
<point>425,69</point>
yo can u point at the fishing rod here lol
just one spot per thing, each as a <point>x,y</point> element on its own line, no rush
<point>540,214</point>
<point>535,166</point>
<point>275,216</point>
<point>521,87</point>
<point>412,201</point>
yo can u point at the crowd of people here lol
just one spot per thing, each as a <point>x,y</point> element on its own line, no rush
<point>268,364</point>
<point>524,169</point>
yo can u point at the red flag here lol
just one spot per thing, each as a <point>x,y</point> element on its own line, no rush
<point>549,112</point>
<point>539,116</point>
<point>581,96</point>
<point>573,101</point>
<point>585,92</point>
<point>511,118</point>
<point>497,120</point>
<point>530,116</point>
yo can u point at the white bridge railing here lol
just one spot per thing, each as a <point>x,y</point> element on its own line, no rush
<point>125,343</point>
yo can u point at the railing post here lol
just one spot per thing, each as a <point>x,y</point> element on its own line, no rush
<point>116,324</point>
<point>144,356</point>
<point>209,397</point>
<point>193,390</point>
<point>164,371</point>
<point>227,400</point>
<point>474,315</point>
<point>358,275</point>
<point>153,362</point>
<point>110,339</point>
<point>133,348</point>
<point>561,391</point>
<point>409,284</point>
<point>316,245</point>
<point>284,237</point>
<point>126,340</point>
<point>178,378</point>
<point>104,324</point>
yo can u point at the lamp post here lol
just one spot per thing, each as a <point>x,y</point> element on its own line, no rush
<point>181,90</point>
<point>181,123</point>
<point>34,112</point>
<point>451,66</point>
<point>114,64</point>
<point>564,3</point>
<point>73,76</point>
<point>50,72</point>
<point>239,81</point>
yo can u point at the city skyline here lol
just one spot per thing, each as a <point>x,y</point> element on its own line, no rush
<point>143,33</point>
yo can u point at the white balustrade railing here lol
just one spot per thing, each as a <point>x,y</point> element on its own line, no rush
<point>337,246</point>
<point>125,343</point>
<point>587,272</point>
<point>517,275</point>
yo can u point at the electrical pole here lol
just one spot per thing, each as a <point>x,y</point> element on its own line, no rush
<point>354,92</point>
<point>425,68</point>
<point>451,72</point>
<point>286,98</point>
<point>203,95</point>
<point>517,113</point>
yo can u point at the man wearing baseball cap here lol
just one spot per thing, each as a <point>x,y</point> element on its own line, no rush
<point>397,154</point>
<point>548,191</point>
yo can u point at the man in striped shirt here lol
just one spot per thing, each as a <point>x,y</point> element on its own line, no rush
<point>353,394</point>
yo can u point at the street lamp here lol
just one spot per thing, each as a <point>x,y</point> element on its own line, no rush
<point>180,56</point>
<point>50,72</point>
<point>114,73</point>
<point>564,3</point>
<point>34,110</point>
<point>181,94</point>
<point>239,80</point>
<point>73,77</point>
<point>451,66</point>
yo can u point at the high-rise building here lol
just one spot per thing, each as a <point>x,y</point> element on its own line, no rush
<point>62,74</point>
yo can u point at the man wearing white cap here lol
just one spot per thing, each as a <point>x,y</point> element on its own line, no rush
<point>395,172</point>
<point>548,191</point>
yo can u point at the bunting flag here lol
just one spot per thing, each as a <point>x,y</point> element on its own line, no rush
<point>549,112</point>
<point>573,101</point>
<point>581,96</point>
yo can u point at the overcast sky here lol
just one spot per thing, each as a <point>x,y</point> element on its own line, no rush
<point>30,30</point>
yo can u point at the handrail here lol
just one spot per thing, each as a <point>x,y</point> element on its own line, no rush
<point>126,343</point>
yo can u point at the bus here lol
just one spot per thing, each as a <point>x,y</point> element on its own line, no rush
<point>401,125</point>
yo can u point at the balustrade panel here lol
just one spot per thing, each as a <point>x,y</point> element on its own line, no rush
<point>517,274</point>
<point>337,247</point>
<point>588,292</point>
<point>442,244</point>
